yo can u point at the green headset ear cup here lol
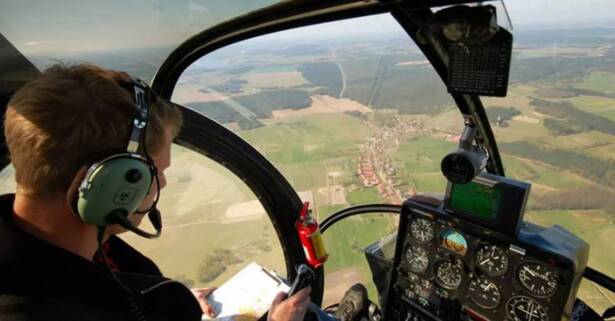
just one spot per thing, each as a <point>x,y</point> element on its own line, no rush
<point>119,183</point>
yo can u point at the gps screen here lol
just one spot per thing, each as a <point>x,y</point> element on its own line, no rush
<point>476,200</point>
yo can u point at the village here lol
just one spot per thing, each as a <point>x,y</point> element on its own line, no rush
<point>376,169</point>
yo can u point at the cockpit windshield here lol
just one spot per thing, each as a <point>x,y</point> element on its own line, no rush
<point>352,112</point>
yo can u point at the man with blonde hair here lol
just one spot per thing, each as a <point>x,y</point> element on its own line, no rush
<point>56,262</point>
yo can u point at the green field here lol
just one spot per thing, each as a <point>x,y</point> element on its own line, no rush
<point>424,154</point>
<point>305,176</point>
<point>584,140</point>
<point>592,104</point>
<point>520,130</point>
<point>306,149</point>
<point>539,173</point>
<point>421,160</point>
<point>599,80</point>
<point>363,195</point>
<point>180,251</point>
<point>610,114</point>
<point>309,139</point>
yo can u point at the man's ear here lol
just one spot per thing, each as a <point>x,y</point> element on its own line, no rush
<point>73,190</point>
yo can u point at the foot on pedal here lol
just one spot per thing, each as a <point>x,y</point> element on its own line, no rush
<point>354,304</point>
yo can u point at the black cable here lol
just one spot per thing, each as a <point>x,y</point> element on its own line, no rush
<point>155,203</point>
<point>150,161</point>
<point>120,217</point>
<point>99,238</point>
<point>357,210</point>
<point>133,306</point>
<point>599,278</point>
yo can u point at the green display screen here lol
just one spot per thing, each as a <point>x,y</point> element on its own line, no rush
<point>475,199</point>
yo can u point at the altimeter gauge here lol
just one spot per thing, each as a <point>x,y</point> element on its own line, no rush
<point>538,279</point>
<point>422,230</point>
<point>419,286</point>
<point>492,260</point>
<point>449,274</point>
<point>521,308</point>
<point>484,293</point>
<point>417,258</point>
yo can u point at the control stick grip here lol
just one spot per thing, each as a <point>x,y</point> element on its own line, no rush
<point>305,277</point>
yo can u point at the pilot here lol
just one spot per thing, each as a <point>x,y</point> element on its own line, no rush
<point>54,264</point>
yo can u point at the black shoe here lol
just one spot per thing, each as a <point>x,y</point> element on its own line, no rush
<point>353,305</point>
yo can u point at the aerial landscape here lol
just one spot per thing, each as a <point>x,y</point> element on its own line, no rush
<point>362,120</point>
<point>358,120</point>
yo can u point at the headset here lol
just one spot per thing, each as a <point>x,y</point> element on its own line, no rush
<point>114,187</point>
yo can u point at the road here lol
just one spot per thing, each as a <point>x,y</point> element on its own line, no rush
<point>343,79</point>
<point>170,227</point>
<point>339,66</point>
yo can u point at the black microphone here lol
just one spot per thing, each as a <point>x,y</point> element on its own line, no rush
<point>155,219</point>
<point>120,217</point>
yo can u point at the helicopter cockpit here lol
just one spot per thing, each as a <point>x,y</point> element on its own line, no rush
<point>436,145</point>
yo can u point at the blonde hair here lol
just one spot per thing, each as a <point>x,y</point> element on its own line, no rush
<point>71,116</point>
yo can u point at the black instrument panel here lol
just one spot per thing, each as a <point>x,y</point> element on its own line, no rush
<point>448,269</point>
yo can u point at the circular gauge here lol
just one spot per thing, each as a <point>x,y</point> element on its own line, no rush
<point>492,260</point>
<point>423,288</point>
<point>449,275</point>
<point>484,293</point>
<point>454,242</point>
<point>422,230</point>
<point>521,308</point>
<point>417,258</point>
<point>420,287</point>
<point>538,279</point>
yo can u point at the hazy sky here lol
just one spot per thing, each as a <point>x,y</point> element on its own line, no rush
<point>109,24</point>
<point>75,25</point>
<point>525,13</point>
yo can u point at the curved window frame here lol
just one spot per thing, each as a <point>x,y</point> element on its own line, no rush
<point>284,16</point>
<point>205,136</point>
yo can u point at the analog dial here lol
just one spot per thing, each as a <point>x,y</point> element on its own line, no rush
<point>418,258</point>
<point>449,274</point>
<point>420,287</point>
<point>538,279</point>
<point>484,293</point>
<point>492,260</point>
<point>422,230</point>
<point>521,308</point>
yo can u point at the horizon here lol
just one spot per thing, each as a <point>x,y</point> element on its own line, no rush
<point>35,28</point>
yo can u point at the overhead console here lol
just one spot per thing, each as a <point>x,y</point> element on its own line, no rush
<point>473,259</point>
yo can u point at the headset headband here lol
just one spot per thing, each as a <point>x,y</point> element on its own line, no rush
<point>142,100</point>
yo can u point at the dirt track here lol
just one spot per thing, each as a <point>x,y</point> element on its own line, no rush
<point>187,93</point>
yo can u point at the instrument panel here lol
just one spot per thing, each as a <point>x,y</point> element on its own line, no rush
<point>446,269</point>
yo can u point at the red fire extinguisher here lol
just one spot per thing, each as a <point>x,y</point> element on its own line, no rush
<point>310,237</point>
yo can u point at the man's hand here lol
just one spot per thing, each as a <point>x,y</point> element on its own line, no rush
<point>201,296</point>
<point>291,309</point>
